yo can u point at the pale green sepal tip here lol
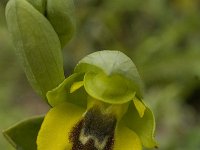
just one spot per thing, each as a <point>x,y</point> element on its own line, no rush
<point>63,92</point>
<point>112,63</point>
<point>37,46</point>
<point>23,135</point>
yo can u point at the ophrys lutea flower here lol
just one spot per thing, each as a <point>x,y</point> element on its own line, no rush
<point>98,107</point>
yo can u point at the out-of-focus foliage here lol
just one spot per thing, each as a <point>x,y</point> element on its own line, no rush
<point>163,39</point>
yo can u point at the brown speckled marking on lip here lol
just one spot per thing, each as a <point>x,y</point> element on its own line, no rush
<point>94,124</point>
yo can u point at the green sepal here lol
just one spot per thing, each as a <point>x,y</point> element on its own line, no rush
<point>109,66</point>
<point>23,135</point>
<point>60,13</point>
<point>62,93</point>
<point>37,46</point>
<point>143,126</point>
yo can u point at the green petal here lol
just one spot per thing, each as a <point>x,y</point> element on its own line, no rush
<point>63,93</point>
<point>112,63</point>
<point>23,135</point>
<point>55,129</point>
<point>76,85</point>
<point>126,139</point>
<point>144,127</point>
<point>111,89</point>
<point>139,106</point>
<point>37,45</point>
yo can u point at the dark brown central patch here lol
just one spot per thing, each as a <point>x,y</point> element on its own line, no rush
<point>95,124</point>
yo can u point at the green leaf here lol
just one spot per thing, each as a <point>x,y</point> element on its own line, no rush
<point>144,126</point>
<point>61,15</point>
<point>63,93</point>
<point>23,135</point>
<point>111,89</point>
<point>37,46</point>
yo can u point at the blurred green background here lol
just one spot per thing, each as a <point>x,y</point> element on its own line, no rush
<point>162,37</point>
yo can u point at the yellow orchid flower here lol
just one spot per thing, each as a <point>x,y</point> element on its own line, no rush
<point>99,107</point>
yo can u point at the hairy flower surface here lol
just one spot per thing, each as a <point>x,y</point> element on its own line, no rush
<point>98,107</point>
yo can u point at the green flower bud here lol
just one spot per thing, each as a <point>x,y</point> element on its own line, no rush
<point>37,45</point>
<point>39,28</point>
<point>60,13</point>
<point>40,5</point>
